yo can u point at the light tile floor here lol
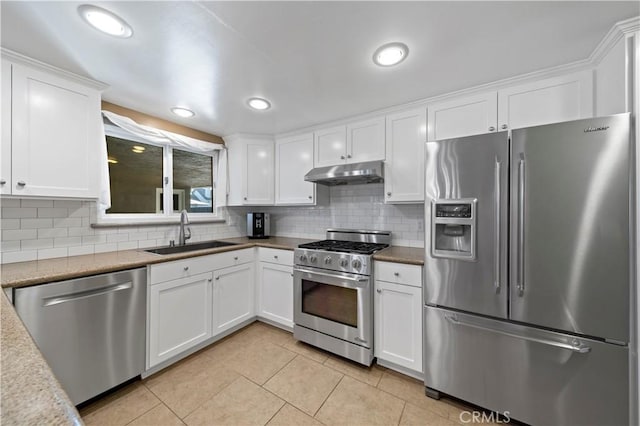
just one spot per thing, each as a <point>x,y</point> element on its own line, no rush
<point>260,375</point>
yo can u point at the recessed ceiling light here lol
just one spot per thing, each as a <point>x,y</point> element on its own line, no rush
<point>112,160</point>
<point>390,54</point>
<point>259,103</point>
<point>182,112</point>
<point>105,21</point>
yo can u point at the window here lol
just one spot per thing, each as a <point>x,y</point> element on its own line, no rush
<point>140,174</point>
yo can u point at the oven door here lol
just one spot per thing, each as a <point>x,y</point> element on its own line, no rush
<point>334,303</point>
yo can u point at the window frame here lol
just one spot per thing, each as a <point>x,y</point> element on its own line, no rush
<point>167,216</point>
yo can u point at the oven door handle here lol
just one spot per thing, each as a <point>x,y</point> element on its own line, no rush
<point>357,281</point>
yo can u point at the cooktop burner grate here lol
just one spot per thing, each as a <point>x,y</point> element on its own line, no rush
<point>345,246</point>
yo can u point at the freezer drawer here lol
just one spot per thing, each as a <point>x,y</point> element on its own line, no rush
<point>90,330</point>
<point>537,376</point>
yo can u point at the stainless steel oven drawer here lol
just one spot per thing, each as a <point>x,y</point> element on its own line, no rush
<point>538,376</point>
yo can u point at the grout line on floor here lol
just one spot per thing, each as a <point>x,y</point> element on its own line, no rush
<point>137,417</point>
<point>328,396</point>
<point>404,406</point>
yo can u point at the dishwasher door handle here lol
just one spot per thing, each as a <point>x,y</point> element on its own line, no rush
<point>50,301</point>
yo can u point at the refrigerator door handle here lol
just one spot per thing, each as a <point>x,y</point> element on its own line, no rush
<point>575,347</point>
<point>521,189</point>
<point>497,194</point>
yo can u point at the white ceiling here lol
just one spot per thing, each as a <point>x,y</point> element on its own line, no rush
<point>312,60</point>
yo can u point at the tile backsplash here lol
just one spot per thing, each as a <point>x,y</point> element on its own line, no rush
<point>41,228</point>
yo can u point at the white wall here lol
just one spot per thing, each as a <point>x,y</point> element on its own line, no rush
<point>42,229</point>
<point>35,229</point>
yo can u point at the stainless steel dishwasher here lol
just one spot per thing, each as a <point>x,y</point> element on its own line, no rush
<point>90,330</point>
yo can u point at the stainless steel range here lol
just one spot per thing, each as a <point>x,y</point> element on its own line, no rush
<point>333,292</point>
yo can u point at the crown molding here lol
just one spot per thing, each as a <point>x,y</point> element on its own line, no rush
<point>25,60</point>
<point>253,136</point>
<point>615,34</point>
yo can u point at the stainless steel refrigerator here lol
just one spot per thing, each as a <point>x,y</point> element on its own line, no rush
<point>528,272</point>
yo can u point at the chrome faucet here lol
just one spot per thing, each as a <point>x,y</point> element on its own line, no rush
<point>185,231</point>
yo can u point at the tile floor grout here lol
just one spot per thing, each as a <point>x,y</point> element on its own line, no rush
<point>269,336</point>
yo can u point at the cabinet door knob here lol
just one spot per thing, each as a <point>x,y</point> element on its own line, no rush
<point>186,268</point>
<point>388,194</point>
<point>235,258</point>
<point>245,198</point>
<point>209,280</point>
<point>342,157</point>
<point>378,291</point>
<point>397,274</point>
<point>349,156</point>
<point>218,278</point>
<point>22,183</point>
<point>275,256</point>
<point>310,197</point>
<point>3,181</point>
<point>504,127</point>
<point>492,128</point>
<point>292,274</point>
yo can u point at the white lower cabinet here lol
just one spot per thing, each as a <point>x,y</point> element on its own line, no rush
<point>179,316</point>
<point>233,296</point>
<point>275,293</point>
<point>275,286</point>
<point>398,323</point>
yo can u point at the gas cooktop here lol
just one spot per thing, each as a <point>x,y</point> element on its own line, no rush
<point>342,246</point>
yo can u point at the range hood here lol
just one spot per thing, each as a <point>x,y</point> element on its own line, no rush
<point>369,172</point>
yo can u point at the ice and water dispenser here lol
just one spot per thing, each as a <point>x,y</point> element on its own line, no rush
<point>453,229</point>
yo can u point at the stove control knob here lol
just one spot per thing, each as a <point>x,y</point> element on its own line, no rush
<point>327,260</point>
<point>313,258</point>
<point>303,258</point>
<point>356,264</point>
<point>344,262</point>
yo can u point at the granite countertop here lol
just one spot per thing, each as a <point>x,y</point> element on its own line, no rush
<point>49,270</point>
<point>30,392</point>
<point>410,255</point>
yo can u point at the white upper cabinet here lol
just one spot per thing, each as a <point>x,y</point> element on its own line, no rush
<point>365,140</point>
<point>404,164</point>
<point>569,97</point>
<point>471,115</point>
<point>613,80</point>
<point>294,159</point>
<point>354,143</point>
<point>5,161</point>
<point>251,170</point>
<point>54,131</point>
<point>330,146</point>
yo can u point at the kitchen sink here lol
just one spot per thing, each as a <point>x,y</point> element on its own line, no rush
<point>189,247</point>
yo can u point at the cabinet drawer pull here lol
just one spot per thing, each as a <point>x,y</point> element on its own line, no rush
<point>3,181</point>
<point>379,291</point>
<point>492,128</point>
<point>235,258</point>
<point>186,268</point>
<point>22,183</point>
<point>397,274</point>
<point>504,127</point>
<point>218,278</point>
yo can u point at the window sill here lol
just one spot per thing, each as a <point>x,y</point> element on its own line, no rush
<point>114,223</point>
